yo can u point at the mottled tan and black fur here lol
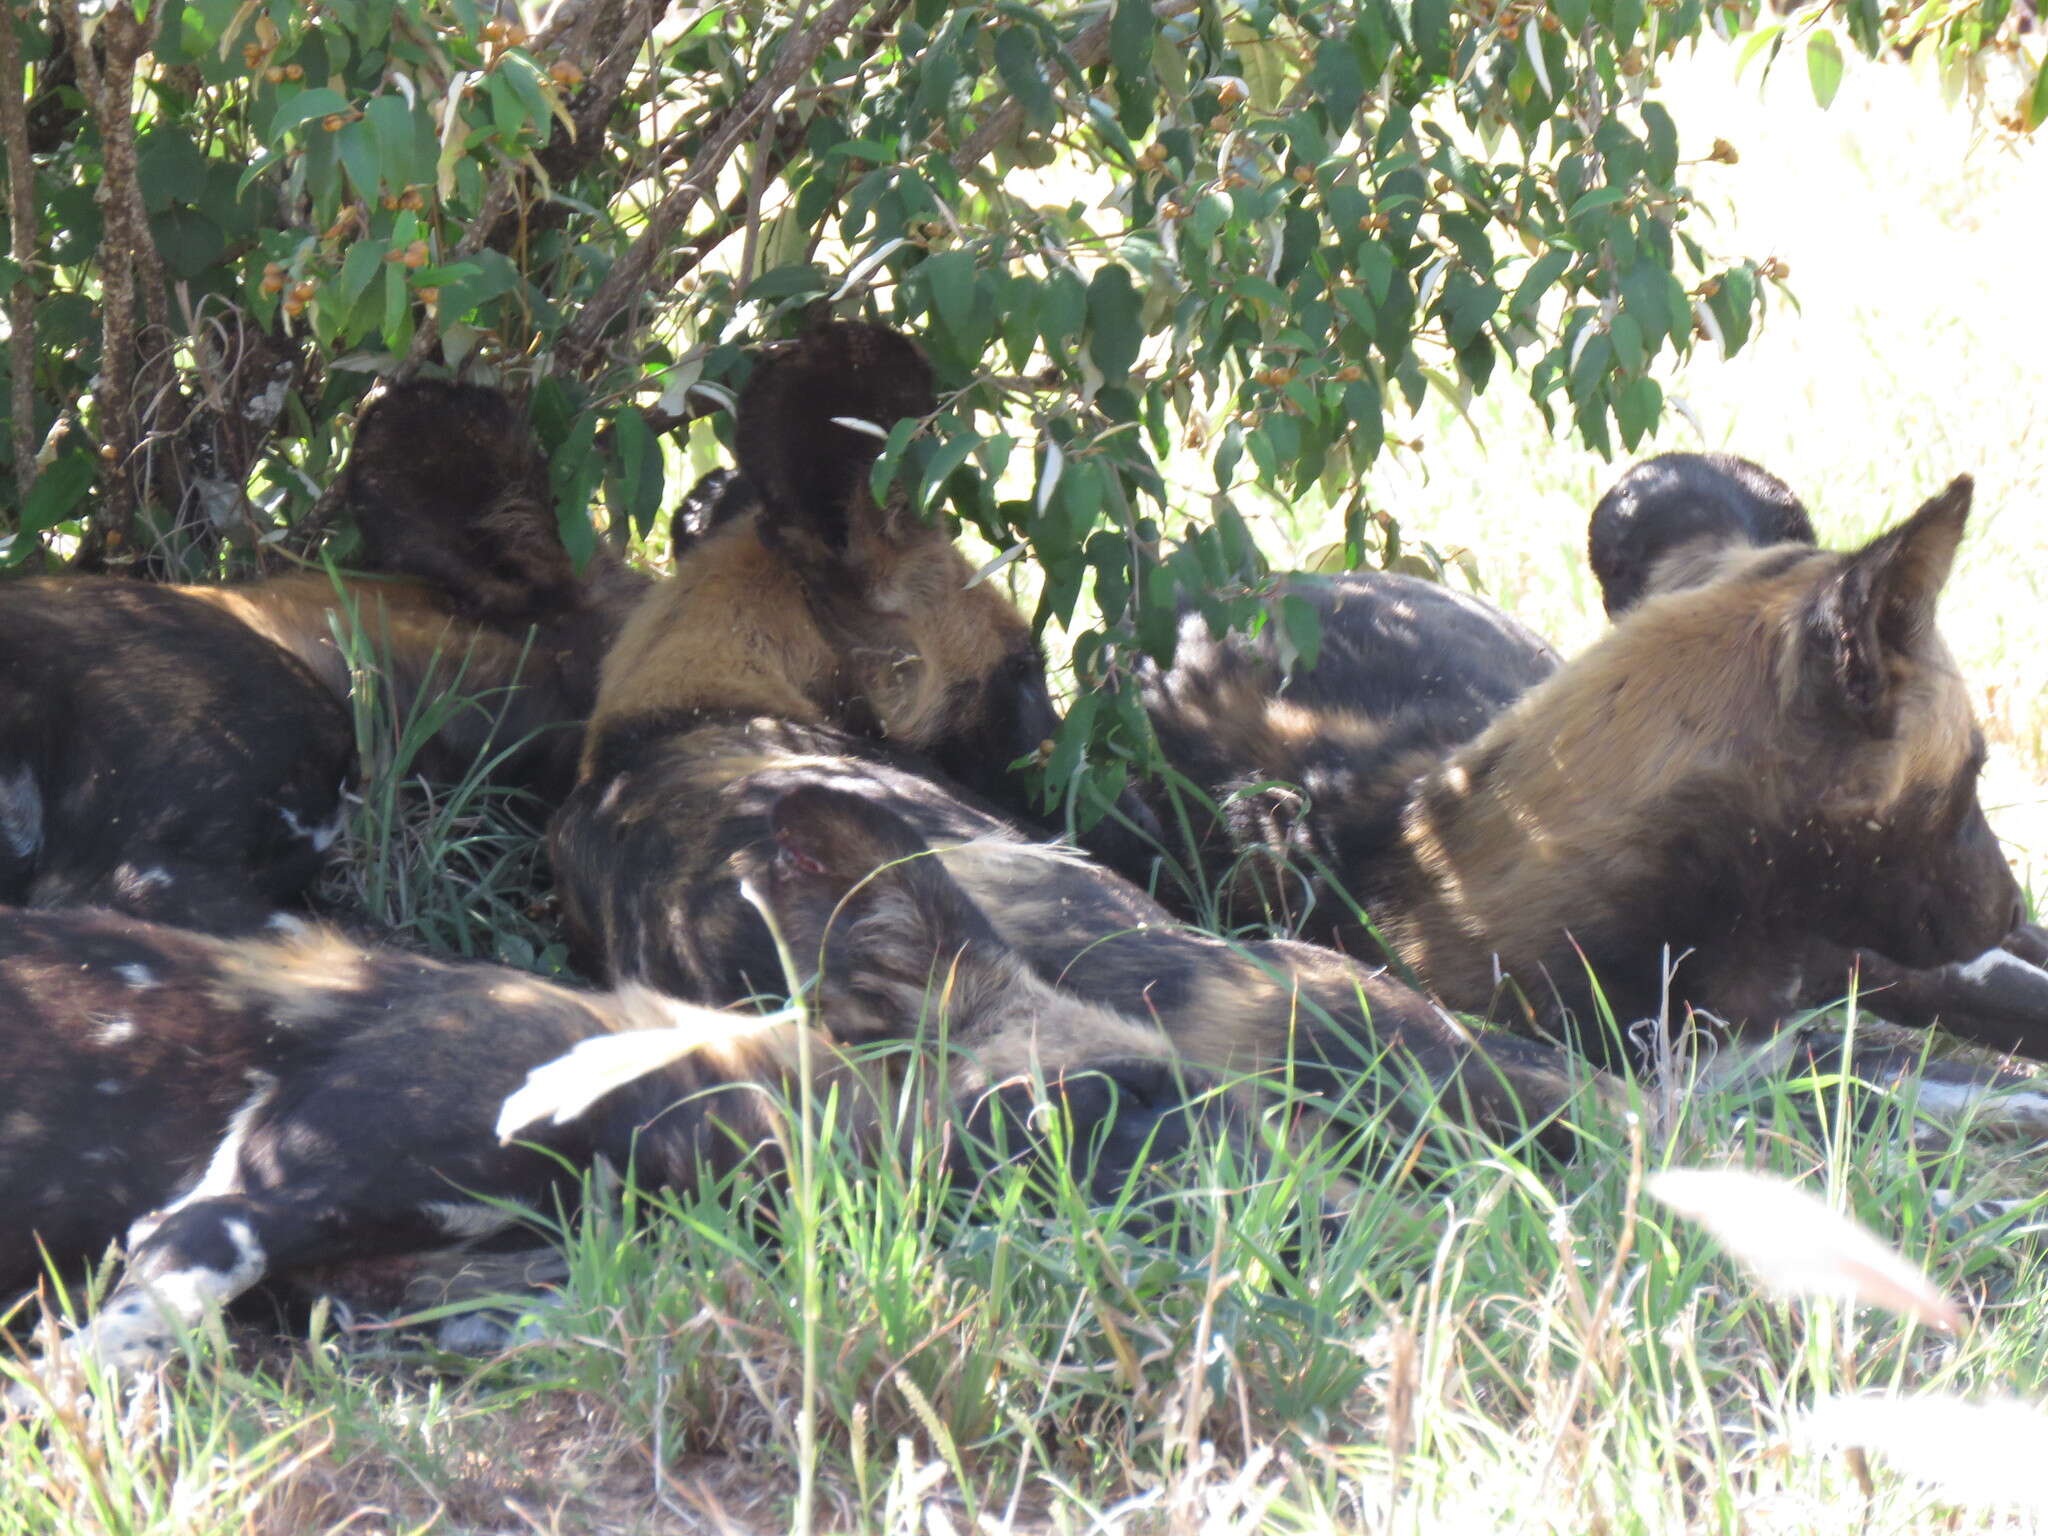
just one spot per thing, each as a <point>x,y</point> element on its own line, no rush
<point>750,677</point>
<point>1778,753</point>
<point>181,752</point>
<point>1668,523</point>
<point>814,604</point>
<point>236,1109</point>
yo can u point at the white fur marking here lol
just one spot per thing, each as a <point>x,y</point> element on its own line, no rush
<point>463,1220</point>
<point>322,836</point>
<point>21,813</point>
<point>132,882</point>
<point>109,1086</point>
<point>134,1328</point>
<point>115,1031</point>
<point>137,976</point>
<point>219,1178</point>
<point>1992,961</point>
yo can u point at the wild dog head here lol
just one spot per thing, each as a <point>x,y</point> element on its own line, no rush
<point>901,950</point>
<point>447,484</point>
<point>1785,750</point>
<point>822,606</point>
<point>1665,523</point>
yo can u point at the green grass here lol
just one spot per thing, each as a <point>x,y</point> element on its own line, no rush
<point>451,867</point>
<point>1497,1343</point>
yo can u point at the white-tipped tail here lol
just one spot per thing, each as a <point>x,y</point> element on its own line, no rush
<point>561,1090</point>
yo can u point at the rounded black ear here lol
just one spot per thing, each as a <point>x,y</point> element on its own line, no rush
<point>810,468</point>
<point>1676,500</point>
<point>1882,600</point>
<point>853,886</point>
<point>447,484</point>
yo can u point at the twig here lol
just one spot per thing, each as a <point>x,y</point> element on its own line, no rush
<point>573,32</point>
<point>629,274</point>
<point>21,228</point>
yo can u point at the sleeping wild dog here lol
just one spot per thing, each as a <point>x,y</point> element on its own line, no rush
<point>822,640</point>
<point>1667,523</point>
<point>181,752</point>
<point>1778,756</point>
<point>240,1109</point>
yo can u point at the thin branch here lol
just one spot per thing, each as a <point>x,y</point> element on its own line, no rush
<point>629,275</point>
<point>573,31</point>
<point>21,229</point>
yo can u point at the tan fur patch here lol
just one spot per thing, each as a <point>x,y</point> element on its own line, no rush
<point>734,630</point>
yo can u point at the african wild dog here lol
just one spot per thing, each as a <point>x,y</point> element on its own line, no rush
<point>819,642</point>
<point>1666,524</point>
<point>1778,755</point>
<point>180,753</point>
<point>243,1108</point>
<point>467,588</point>
<point>158,757</point>
<point>807,602</point>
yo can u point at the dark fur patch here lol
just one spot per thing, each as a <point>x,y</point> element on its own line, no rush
<point>447,485</point>
<point>807,469</point>
<point>1415,668</point>
<point>332,1097</point>
<point>179,766</point>
<point>649,864</point>
<point>1665,503</point>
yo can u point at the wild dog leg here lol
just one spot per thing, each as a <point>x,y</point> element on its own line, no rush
<point>1998,1000</point>
<point>200,1257</point>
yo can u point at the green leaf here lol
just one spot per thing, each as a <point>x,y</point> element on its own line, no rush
<point>1115,326</point>
<point>1824,66</point>
<point>397,329</point>
<point>1336,79</point>
<point>949,278</point>
<point>391,125</point>
<point>357,143</point>
<point>1017,62</point>
<point>883,472</point>
<point>307,105</point>
<point>1627,337</point>
<point>509,114</point>
<point>1208,219</point>
<point>58,490</point>
<point>1599,197</point>
<point>640,468</point>
<point>170,168</point>
<point>1636,410</point>
<point>2034,110</point>
<point>1131,32</point>
<point>1303,628</point>
<point>188,241</point>
<point>938,469</point>
<point>1543,272</point>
